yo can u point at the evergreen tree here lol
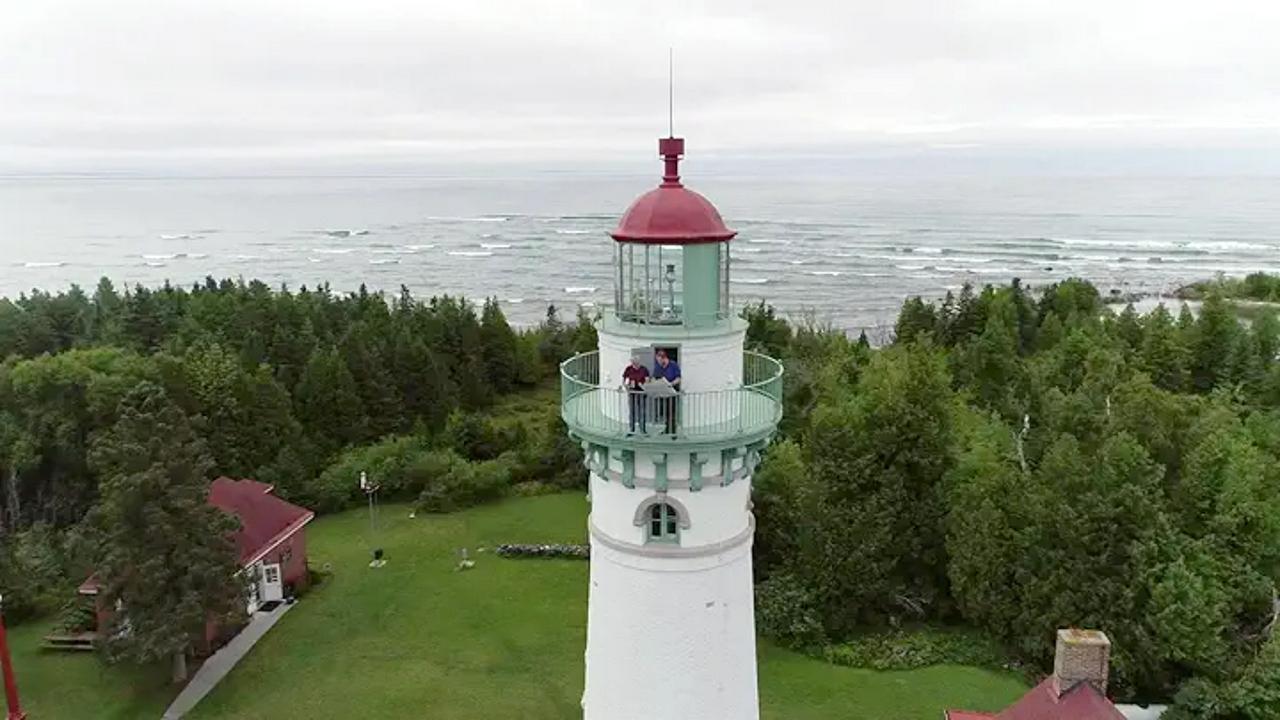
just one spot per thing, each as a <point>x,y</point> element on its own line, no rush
<point>168,560</point>
<point>881,455</point>
<point>766,331</point>
<point>1128,327</point>
<point>383,404</point>
<point>327,402</point>
<point>498,348</point>
<point>1163,355</point>
<point>916,319</point>
<point>1215,344</point>
<point>989,365</point>
<point>1050,333</point>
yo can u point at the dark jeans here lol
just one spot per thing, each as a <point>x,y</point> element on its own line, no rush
<point>638,410</point>
<point>667,410</point>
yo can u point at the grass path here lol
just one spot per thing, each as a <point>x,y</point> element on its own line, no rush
<point>418,640</point>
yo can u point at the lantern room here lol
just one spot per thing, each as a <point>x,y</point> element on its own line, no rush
<point>671,255</point>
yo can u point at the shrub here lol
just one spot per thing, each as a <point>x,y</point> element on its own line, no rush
<point>917,648</point>
<point>386,462</point>
<point>76,616</point>
<point>533,488</point>
<point>476,437</point>
<point>787,612</point>
<point>428,469</point>
<point>465,484</point>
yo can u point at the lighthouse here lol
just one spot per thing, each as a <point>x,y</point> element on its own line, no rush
<point>671,621</point>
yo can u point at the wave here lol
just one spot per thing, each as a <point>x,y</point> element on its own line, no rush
<point>909,267</point>
<point>496,246</point>
<point>515,301</point>
<point>416,248</point>
<point>151,263</point>
<point>333,251</point>
<point>768,241</point>
<point>579,290</point>
<point>385,261</point>
<point>247,258</point>
<point>181,236</point>
<point>573,232</point>
<point>162,256</point>
<point>1237,245</point>
<point>39,264</point>
<point>315,259</point>
<point>197,256</point>
<point>470,253</point>
<point>481,218</point>
<point>750,281</point>
<point>825,273</point>
<point>748,250</point>
<point>927,250</point>
<point>798,262</point>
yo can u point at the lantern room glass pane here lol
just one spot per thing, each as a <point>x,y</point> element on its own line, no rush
<point>671,284</point>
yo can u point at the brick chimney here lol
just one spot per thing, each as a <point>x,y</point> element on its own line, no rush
<point>1081,656</point>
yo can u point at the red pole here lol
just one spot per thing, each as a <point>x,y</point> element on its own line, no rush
<point>10,684</point>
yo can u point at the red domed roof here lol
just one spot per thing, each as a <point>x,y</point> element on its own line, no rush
<point>671,213</point>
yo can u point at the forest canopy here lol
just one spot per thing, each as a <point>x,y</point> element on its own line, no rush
<point>1023,462</point>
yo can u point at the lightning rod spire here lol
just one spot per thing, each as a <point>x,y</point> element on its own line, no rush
<point>671,92</point>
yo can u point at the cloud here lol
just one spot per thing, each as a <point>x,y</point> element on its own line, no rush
<point>90,81</point>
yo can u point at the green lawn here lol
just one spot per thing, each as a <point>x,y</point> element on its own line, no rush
<point>504,640</point>
<point>55,686</point>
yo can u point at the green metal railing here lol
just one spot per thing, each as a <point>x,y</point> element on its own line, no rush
<point>612,412</point>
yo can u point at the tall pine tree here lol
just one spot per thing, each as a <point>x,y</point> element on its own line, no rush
<point>167,558</point>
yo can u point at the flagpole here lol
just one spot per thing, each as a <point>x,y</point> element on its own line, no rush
<point>6,666</point>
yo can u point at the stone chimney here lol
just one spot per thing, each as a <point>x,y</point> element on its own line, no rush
<point>1081,656</point>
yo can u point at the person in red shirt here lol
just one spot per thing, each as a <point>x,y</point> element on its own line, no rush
<point>633,378</point>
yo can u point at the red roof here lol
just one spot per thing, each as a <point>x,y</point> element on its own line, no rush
<point>90,586</point>
<point>1082,702</point>
<point>265,520</point>
<point>671,213</point>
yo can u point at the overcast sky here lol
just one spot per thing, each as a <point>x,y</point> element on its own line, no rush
<point>124,82</point>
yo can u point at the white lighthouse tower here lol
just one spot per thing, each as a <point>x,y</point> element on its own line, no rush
<point>671,626</point>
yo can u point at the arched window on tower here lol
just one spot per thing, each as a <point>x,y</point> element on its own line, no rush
<point>664,523</point>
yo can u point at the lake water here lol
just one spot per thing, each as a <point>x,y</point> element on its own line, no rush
<point>849,249</point>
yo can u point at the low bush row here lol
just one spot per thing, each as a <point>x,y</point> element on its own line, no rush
<point>554,550</point>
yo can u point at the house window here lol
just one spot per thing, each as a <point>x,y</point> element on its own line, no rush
<point>664,523</point>
<point>272,574</point>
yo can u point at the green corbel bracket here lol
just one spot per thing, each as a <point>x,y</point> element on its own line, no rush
<point>727,456</point>
<point>695,472</point>
<point>660,472</point>
<point>629,468</point>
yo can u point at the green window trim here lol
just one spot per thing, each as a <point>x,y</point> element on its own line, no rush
<point>662,524</point>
